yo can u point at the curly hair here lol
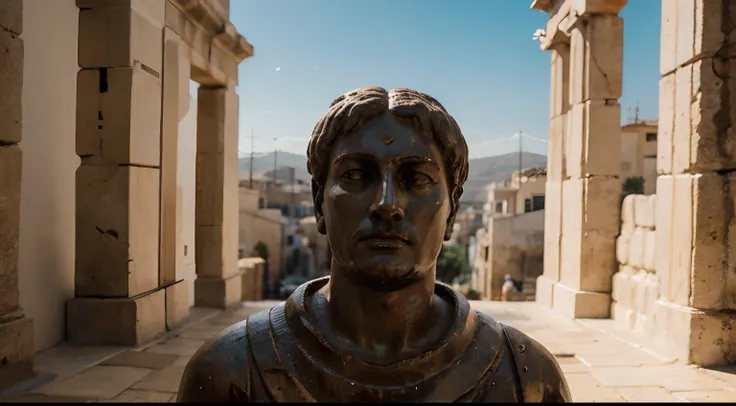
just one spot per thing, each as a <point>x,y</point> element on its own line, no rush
<point>427,116</point>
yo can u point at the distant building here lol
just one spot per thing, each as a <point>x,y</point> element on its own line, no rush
<point>639,153</point>
<point>512,241</point>
<point>293,199</point>
<point>285,174</point>
<point>521,194</point>
<point>258,224</point>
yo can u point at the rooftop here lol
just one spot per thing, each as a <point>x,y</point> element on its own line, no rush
<point>533,172</point>
<point>653,122</point>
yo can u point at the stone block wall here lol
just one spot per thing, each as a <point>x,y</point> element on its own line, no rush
<point>16,330</point>
<point>635,286</point>
<point>252,269</point>
<point>517,249</point>
<point>586,42</point>
<point>695,315</point>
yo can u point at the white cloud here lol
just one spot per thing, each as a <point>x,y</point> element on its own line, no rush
<point>278,69</point>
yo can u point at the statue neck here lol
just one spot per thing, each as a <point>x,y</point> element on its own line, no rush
<point>389,325</point>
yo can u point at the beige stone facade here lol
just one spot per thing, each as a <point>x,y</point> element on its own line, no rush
<point>639,153</point>
<point>636,284</point>
<point>523,193</point>
<point>691,317</point>
<point>513,229</point>
<point>515,247</point>
<point>261,225</point>
<point>91,247</point>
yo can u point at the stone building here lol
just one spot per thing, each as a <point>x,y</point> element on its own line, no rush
<point>691,315</point>
<point>523,193</point>
<point>512,238</point>
<point>639,153</point>
<point>92,190</point>
<point>261,225</point>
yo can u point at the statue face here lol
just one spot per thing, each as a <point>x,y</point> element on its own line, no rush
<point>386,202</point>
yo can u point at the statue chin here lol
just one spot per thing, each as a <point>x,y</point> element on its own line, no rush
<point>384,277</point>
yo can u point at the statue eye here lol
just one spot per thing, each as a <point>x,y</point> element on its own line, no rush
<point>353,174</point>
<point>418,180</point>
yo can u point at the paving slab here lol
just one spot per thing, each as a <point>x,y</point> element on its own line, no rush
<point>181,362</point>
<point>98,382</point>
<point>142,396</point>
<point>706,396</point>
<point>628,358</point>
<point>164,380</point>
<point>141,359</point>
<point>647,394</point>
<point>177,346</point>
<point>68,359</point>
<point>41,398</point>
<point>585,388</point>
<point>671,377</point>
<point>199,334</point>
<point>571,365</point>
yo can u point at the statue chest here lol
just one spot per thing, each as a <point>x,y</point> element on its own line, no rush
<point>293,366</point>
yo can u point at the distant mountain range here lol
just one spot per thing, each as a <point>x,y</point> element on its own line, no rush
<point>482,170</point>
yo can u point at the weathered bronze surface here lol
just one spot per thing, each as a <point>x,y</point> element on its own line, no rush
<point>380,328</point>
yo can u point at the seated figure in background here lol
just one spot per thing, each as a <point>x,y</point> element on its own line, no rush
<point>507,287</point>
<point>387,174</point>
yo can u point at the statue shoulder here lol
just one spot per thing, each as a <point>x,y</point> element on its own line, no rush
<point>540,376</point>
<point>220,370</point>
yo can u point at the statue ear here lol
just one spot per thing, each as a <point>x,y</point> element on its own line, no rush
<point>453,211</point>
<point>318,198</point>
<point>448,227</point>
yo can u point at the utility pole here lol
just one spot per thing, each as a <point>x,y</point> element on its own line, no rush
<point>520,135</point>
<point>251,159</point>
<point>636,113</point>
<point>275,160</point>
<point>293,195</point>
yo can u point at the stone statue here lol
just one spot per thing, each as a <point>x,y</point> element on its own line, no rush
<point>387,174</point>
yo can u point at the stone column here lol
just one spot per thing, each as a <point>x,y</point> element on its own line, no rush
<point>559,106</point>
<point>175,105</point>
<point>695,316</point>
<point>218,281</point>
<point>591,189</point>
<point>119,299</point>
<point>16,330</point>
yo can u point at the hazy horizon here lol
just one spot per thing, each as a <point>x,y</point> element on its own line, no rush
<point>476,57</point>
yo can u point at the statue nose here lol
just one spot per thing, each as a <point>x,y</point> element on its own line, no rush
<point>387,208</point>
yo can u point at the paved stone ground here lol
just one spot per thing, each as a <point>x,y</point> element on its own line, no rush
<point>600,363</point>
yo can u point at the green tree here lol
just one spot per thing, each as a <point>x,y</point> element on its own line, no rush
<point>633,186</point>
<point>473,295</point>
<point>452,264</point>
<point>260,250</point>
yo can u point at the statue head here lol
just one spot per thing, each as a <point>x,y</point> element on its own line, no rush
<point>387,174</point>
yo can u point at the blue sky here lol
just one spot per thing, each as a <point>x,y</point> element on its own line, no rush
<point>477,57</point>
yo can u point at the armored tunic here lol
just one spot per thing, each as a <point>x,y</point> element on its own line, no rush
<point>280,356</point>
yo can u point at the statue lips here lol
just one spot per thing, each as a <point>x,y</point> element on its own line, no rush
<point>382,240</point>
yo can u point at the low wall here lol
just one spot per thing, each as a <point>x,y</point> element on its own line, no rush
<point>253,269</point>
<point>517,248</point>
<point>263,225</point>
<point>635,285</point>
